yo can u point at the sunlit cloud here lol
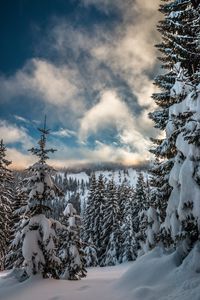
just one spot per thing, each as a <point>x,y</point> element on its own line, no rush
<point>110,110</point>
<point>43,80</point>
<point>19,160</point>
<point>111,153</point>
<point>97,79</point>
<point>11,133</point>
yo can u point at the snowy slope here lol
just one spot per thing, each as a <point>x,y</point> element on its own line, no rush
<point>119,175</point>
<point>154,276</point>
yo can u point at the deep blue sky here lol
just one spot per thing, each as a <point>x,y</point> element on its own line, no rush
<point>22,20</point>
<point>82,64</point>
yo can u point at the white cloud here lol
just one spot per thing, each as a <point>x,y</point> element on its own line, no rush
<point>52,82</point>
<point>111,153</point>
<point>19,159</point>
<point>131,52</point>
<point>20,118</point>
<point>125,52</point>
<point>64,132</point>
<point>110,110</point>
<point>11,133</point>
<point>41,79</point>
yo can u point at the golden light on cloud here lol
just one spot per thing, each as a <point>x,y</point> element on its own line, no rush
<point>89,87</point>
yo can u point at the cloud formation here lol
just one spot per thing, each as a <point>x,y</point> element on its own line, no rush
<point>64,132</point>
<point>11,133</point>
<point>99,77</point>
<point>19,160</point>
<point>44,80</point>
<point>110,110</point>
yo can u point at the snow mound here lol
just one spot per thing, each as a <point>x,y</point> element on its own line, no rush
<point>153,276</point>
<point>156,276</point>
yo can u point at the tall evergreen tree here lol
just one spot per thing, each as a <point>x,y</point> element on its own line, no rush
<point>110,227</point>
<point>71,251</point>
<point>178,152</point>
<point>6,198</point>
<point>141,206</point>
<point>14,257</point>
<point>98,216</point>
<point>89,210</point>
<point>39,231</point>
<point>128,245</point>
<point>176,46</point>
<point>90,254</point>
<point>127,241</point>
<point>123,194</point>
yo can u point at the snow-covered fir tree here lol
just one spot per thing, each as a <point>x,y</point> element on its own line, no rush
<point>99,202</point>
<point>89,215</point>
<point>164,148</point>
<point>114,214</point>
<point>110,227</point>
<point>14,257</point>
<point>128,242</point>
<point>90,254</point>
<point>153,215</point>
<point>71,248</point>
<point>153,227</point>
<point>39,232</point>
<point>88,233</point>
<point>174,47</point>
<point>182,212</point>
<point>124,192</point>
<point>6,198</point>
<point>140,207</point>
<point>180,148</point>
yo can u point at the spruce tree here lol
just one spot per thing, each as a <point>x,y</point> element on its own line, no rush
<point>178,152</point>
<point>129,245</point>
<point>127,241</point>
<point>71,250</point>
<point>89,213</point>
<point>123,194</point>
<point>184,175</point>
<point>99,202</point>
<point>6,198</point>
<point>153,228</point>
<point>176,46</point>
<point>14,257</point>
<point>110,227</point>
<point>141,206</point>
<point>39,232</point>
<point>90,254</point>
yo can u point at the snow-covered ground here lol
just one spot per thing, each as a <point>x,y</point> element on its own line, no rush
<point>118,175</point>
<point>97,285</point>
<point>154,276</point>
<point>130,174</point>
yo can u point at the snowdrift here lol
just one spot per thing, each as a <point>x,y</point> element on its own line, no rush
<point>157,276</point>
<point>154,276</point>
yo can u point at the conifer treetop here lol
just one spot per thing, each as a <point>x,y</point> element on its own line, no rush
<point>3,162</point>
<point>5,173</point>
<point>42,152</point>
